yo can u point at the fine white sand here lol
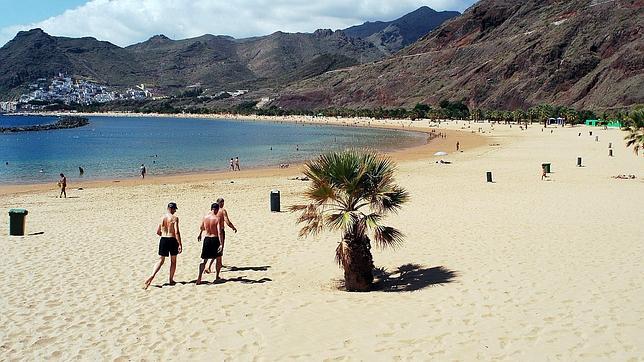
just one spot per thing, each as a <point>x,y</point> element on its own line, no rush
<point>520,269</point>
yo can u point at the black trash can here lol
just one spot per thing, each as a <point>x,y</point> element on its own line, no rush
<point>275,201</point>
<point>489,176</point>
<point>578,161</point>
<point>546,167</point>
<point>17,222</point>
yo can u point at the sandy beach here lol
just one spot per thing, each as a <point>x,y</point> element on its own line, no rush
<point>519,269</point>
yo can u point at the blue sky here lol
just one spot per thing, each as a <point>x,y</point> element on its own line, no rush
<point>30,11</point>
<point>125,22</point>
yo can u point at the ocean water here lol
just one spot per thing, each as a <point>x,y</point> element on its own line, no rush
<point>115,147</point>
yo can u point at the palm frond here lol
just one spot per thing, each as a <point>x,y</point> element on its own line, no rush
<point>313,218</point>
<point>387,236</point>
<point>372,220</point>
<point>342,220</point>
<point>389,199</point>
<point>320,192</point>
<point>342,254</point>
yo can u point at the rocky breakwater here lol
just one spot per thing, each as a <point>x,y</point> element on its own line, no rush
<point>62,123</point>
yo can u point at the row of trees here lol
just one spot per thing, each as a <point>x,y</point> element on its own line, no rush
<point>444,110</point>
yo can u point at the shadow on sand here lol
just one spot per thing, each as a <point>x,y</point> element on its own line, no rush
<point>411,277</point>
<point>241,279</point>
<point>248,268</point>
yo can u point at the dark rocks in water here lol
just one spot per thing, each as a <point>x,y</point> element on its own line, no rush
<point>64,122</point>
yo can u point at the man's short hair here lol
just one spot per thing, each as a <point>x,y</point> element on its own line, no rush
<point>214,206</point>
<point>220,200</point>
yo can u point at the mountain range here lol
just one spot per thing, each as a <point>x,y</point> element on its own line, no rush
<point>214,62</point>
<point>392,36</point>
<point>498,54</point>
<point>502,54</point>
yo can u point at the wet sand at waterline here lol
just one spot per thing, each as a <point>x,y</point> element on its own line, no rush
<point>518,269</point>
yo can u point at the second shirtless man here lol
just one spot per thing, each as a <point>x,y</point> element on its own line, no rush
<point>223,221</point>
<point>212,247</point>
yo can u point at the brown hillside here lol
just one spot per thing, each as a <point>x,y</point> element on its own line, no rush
<point>502,54</point>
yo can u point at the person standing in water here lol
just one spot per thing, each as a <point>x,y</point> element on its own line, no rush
<point>224,220</point>
<point>232,164</point>
<point>169,245</point>
<point>212,246</point>
<point>63,186</point>
<point>80,170</point>
<point>143,170</point>
<point>237,163</point>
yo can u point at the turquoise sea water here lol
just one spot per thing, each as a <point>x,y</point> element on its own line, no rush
<point>115,147</point>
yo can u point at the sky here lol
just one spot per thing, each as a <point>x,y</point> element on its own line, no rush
<point>126,22</point>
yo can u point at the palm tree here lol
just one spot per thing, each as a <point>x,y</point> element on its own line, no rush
<point>352,191</point>
<point>635,128</point>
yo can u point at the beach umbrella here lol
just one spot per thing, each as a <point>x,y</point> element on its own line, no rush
<point>441,153</point>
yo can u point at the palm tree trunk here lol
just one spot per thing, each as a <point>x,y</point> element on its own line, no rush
<point>358,264</point>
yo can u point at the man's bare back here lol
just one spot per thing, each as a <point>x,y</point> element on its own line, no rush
<point>211,224</point>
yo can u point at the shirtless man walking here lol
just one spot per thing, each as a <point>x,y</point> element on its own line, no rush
<point>212,247</point>
<point>224,220</point>
<point>170,243</point>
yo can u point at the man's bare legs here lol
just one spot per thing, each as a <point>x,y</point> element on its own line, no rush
<point>173,268</point>
<point>209,268</point>
<point>157,267</point>
<point>202,267</point>
<point>218,267</point>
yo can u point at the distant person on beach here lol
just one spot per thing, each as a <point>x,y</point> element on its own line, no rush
<point>62,183</point>
<point>237,163</point>
<point>212,243</point>
<point>544,175</point>
<point>170,243</point>
<point>80,170</point>
<point>224,220</point>
<point>458,146</point>
<point>232,164</point>
<point>143,170</point>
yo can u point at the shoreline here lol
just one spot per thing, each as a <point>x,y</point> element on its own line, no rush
<point>425,151</point>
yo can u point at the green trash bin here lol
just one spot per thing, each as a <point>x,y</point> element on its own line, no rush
<point>17,221</point>
<point>546,167</point>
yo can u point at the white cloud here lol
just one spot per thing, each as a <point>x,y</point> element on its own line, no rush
<point>124,22</point>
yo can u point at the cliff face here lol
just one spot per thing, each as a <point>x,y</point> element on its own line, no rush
<point>502,54</point>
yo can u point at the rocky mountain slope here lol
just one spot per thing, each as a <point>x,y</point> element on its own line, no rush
<point>391,36</point>
<point>216,62</point>
<point>502,54</point>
